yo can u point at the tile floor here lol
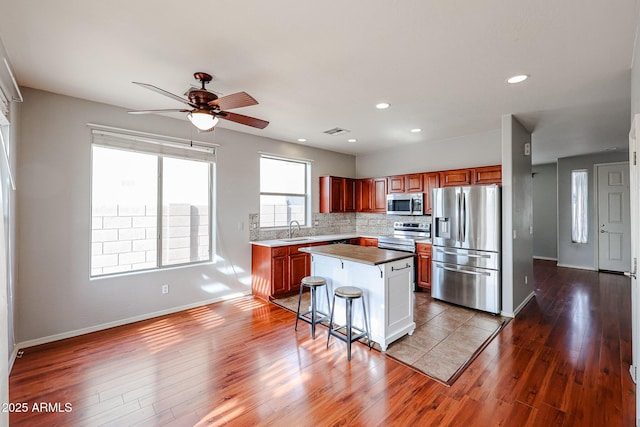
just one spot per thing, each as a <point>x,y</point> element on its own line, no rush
<point>446,339</point>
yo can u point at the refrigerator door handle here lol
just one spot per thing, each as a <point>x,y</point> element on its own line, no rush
<point>458,217</point>
<point>457,270</point>
<point>464,217</point>
<point>463,254</point>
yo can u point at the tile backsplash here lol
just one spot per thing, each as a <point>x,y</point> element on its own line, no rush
<point>338,223</point>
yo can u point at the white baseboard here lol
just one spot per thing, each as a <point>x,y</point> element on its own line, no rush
<point>579,267</point>
<point>78,332</point>
<point>13,357</point>
<point>545,258</point>
<point>520,307</point>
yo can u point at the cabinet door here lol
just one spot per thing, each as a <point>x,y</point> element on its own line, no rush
<point>424,266</point>
<point>488,175</point>
<point>395,184</point>
<point>363,195</point>
<point>337,185</point>
<point>413,183</point>
<point>379,195</point>
<point>456,177</point>
<point>348,195</point>
<point>279,275</point>
<point>299,267</point>
<point>430,181</point>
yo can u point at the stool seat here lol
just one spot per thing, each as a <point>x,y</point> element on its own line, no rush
<point>348,292</point>
<point>313,281</point>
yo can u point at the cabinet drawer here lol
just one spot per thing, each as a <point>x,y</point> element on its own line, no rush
<point>281,251</point>
<point>423,248</point>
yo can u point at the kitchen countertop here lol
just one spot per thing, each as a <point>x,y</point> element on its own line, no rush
<point>362,254</point>
<point>302,240</point>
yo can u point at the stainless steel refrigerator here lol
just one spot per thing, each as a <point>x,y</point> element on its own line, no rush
<point>467,237</point>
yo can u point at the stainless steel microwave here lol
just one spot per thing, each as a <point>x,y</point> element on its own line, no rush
<point>405,204</point>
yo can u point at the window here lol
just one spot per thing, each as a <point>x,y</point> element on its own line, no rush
<point>579,194</point>
<point>151,205</point>
<point>284,191</point>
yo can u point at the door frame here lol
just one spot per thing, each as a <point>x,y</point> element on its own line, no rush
<point>596,198</point>
<point>634,188</point>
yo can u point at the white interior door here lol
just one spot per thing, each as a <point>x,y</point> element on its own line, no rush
<point>634,181</point>
<point>614,217</point>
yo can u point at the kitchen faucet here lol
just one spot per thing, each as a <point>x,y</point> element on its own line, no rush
<point>290,224</point>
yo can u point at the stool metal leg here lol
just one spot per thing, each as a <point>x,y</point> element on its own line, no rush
<point>349,313</point>
<point>313,312</point>
<point>333,306</point>
<point>366,323</point>
<point>298,313</point>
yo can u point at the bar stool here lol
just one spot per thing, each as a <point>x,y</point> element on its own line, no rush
<point>348,293</point>
<point>312,282</point>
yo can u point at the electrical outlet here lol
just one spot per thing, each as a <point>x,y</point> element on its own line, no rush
<point>165,289</point>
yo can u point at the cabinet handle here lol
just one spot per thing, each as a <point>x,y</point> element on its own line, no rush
<point>401,268</point>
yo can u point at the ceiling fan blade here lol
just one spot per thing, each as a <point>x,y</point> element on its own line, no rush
<point>243,120</point>
<point>171,110</point>
<point>235,100</point>
<point>165,93</point>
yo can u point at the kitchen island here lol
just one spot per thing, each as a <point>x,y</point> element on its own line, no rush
<point>386,279</point>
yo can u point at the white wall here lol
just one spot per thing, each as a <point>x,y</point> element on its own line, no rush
<point>517,217</point>
<point>481,149</point>
<point>579,255</point>
<point>55,297</point>
<point>545,211</point>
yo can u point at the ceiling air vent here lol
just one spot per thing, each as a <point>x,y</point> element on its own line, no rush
<point>336,131</point>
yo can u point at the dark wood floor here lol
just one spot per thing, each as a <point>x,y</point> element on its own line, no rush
<point>562,362</point>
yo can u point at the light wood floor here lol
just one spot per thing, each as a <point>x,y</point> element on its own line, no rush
<point>562,362</point>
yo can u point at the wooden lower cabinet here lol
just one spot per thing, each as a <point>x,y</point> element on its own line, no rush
<point>277,272</point>
<point>368,241</point>
<point>423,252</point>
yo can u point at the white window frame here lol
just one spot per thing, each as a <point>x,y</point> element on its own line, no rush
<point>161,147</point>
<point>580,206</point>
<point>307,187</point>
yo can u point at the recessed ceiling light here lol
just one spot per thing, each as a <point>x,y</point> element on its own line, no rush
<point>302,140</point>
<point>382,105</point>
<point>351,140</point>
<point>517,79</point>
<point>416,130</point>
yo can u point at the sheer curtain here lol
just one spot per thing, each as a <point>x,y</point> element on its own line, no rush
<point>579,194</point>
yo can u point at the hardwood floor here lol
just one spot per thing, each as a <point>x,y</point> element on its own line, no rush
<point>562,362</point>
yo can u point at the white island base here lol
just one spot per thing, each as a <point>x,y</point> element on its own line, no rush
<point>387,292</point>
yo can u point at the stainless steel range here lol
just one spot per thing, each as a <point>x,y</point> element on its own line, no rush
<point>405,235</point>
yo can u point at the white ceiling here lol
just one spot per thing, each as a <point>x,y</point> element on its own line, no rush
<point>313,66</point>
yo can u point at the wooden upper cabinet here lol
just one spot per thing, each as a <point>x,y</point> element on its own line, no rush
<point>371,195</point>
<point>488,175</point>
<point>413,183</point>
<point>379,195</point>
<point>349,195</point>
<point>453,178</point>
<point>430,181</point>
<point>337,194</point>
<point>395,184</point>
<point>363,194</point>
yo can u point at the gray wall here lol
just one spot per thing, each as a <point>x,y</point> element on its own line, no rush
<point>545,211</point>
<point>517,217</point>
<point>481,149</point>
<point>55,297</point>
<point>579,255</point>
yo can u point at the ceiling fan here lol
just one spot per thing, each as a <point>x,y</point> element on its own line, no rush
<point>206,107</point>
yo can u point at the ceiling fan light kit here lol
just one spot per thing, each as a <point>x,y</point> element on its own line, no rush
<point>203,120</point>
<point>207,107</point>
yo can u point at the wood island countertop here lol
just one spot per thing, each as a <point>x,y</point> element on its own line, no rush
<point>362,254</point>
